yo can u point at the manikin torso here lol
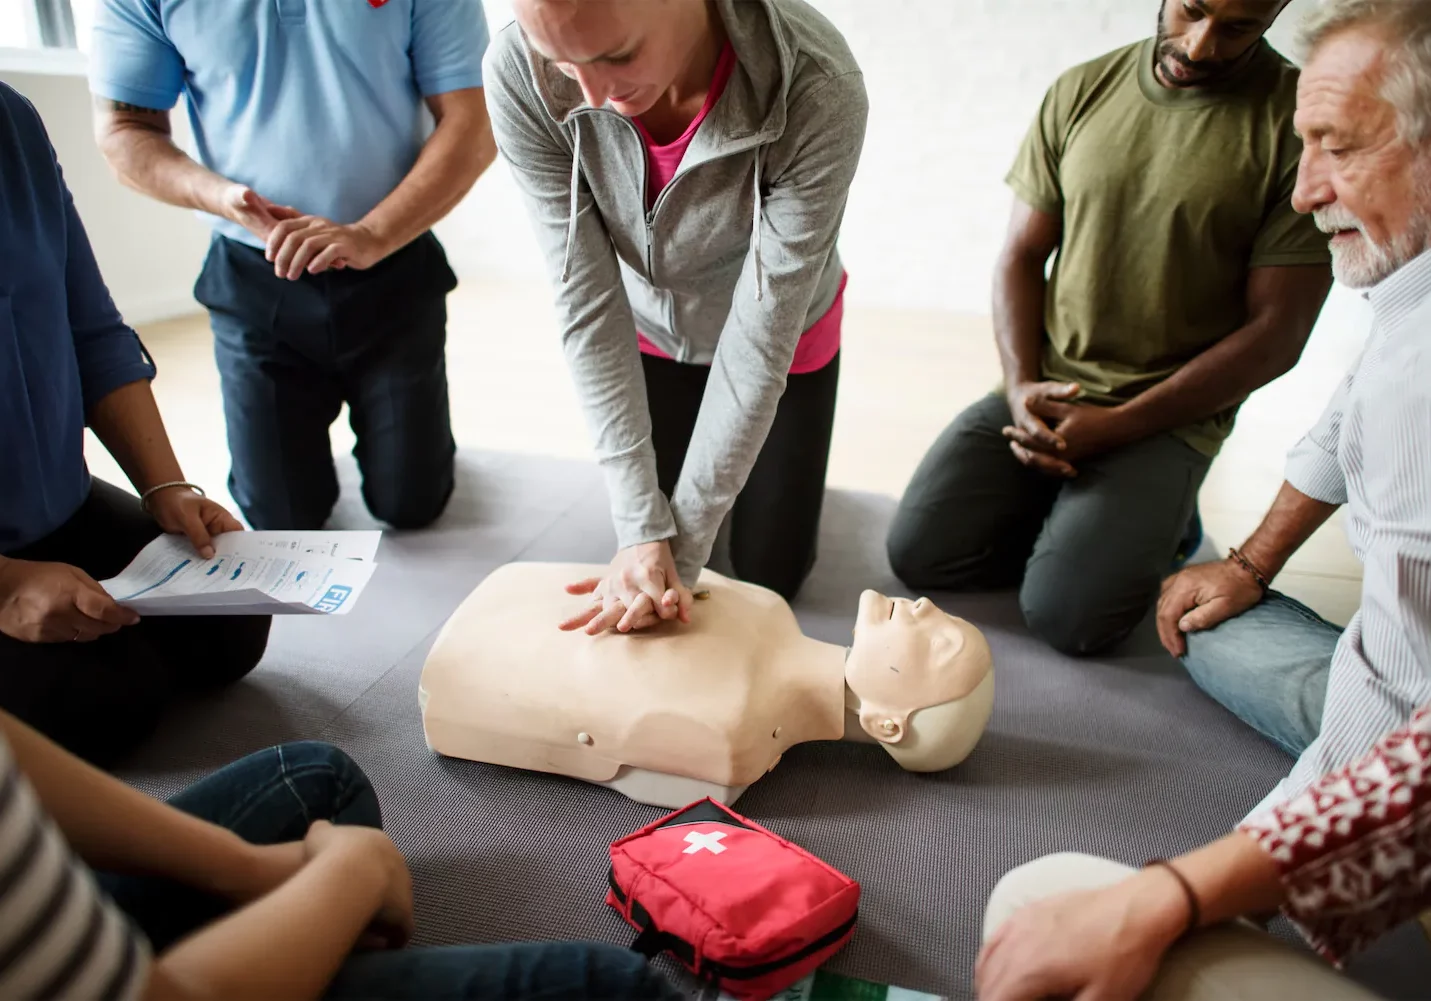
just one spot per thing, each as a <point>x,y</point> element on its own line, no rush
<point>666,715</point>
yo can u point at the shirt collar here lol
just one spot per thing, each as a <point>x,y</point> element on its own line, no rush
<point>1399,296</point>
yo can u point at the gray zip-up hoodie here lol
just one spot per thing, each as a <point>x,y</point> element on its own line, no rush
<point>733,263</point>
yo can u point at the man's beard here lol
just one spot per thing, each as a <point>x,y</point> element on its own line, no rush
<point>1362,263</point>
<point>1201,73</point>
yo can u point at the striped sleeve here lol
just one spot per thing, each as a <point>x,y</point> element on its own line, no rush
<point>1312,466</point>
<point>59,936</point>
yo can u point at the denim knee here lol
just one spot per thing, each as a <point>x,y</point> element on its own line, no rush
<point>331,784</point>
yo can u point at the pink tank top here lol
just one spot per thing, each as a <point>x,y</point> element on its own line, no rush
<point>819,344</point>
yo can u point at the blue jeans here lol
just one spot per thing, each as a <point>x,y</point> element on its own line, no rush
<point>272,796</point>
<point>1269,667</point>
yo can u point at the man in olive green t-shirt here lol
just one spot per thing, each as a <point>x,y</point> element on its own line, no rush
<point>1162,175</point>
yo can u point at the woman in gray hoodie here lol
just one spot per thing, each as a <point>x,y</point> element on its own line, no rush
<point>686,165</point>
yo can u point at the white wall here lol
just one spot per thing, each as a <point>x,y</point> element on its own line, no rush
<point>149,253</point>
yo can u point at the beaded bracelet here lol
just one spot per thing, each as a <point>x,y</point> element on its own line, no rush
<point>144,497</point>
<point>1246,564</point>
<point>1194,911</point>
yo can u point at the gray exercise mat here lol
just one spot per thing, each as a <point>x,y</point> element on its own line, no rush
<point>1119,756</point>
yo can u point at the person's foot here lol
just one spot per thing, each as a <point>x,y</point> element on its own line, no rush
<point>1191,542</point>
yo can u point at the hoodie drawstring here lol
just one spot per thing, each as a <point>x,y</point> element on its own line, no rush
<point>755,236</point>
<point>571,209</point>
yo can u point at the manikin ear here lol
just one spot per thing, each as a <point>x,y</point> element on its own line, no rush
<point>885,727</point>
<point>942,736</point>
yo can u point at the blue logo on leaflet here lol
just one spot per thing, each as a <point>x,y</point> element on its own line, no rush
<point>333,600</point>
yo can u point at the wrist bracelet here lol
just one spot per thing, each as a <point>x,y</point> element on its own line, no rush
<point>1246,564</point>
<point>1194,911</point>
<point>144,497</point>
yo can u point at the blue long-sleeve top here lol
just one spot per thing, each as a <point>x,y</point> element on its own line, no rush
<point>63,345</point>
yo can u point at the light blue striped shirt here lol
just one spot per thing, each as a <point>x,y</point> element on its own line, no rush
<point>1371,451</point>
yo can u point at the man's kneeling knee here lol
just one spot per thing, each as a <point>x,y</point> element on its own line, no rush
<point>1072,626</point>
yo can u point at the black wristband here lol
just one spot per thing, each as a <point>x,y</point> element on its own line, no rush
<point>1194,910</point>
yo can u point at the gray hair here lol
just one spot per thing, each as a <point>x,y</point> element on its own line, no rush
<point>1405,27</point>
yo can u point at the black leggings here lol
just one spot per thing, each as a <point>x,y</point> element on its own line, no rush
<point>100,699</point>
<point>775,523</point>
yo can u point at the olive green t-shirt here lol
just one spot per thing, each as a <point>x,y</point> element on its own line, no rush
<point>1168,198</point>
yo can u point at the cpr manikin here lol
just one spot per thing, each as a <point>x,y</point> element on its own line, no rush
<point>680,711</point>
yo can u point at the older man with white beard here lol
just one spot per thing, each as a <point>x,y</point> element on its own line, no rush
<point>1324,694</point>
<point>1340,845</point>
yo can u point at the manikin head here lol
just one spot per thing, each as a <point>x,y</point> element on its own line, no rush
<point>920,681</point>
<point>625,53</point>
<point>1200,42</point>
<point>1364,115</point>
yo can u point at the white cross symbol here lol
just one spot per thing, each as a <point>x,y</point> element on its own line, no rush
<point>710,842</point>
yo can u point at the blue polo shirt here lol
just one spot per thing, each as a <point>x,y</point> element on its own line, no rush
<point>315,104</point>
<point>63,345</point>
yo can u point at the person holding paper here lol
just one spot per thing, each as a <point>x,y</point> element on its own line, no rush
<point>73,663</point>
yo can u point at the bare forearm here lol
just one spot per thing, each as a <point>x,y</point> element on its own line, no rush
<point>117,828</point>
<point>1222,376</point>
<point>1290,522</point>
<point>1019,290</point>
<point>288,944</point>
<point>1230,878</point>
<point>455,155</point>
<point>127,422</point>
<point>140,149</point>
<point>1282,307</point>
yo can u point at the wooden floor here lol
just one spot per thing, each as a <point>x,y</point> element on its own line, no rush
<point>904,375</point>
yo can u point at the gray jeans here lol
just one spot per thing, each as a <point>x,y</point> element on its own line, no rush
<point>1088,554</point>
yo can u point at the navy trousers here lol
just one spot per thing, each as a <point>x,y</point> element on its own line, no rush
<point>291,353</point>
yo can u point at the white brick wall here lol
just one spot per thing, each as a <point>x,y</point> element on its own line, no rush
<point>953,85</point>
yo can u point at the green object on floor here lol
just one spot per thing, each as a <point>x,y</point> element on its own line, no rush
<point>823,986</point>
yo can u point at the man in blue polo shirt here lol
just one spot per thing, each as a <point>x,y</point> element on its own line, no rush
<point>73,663</point>
<point>317,172</point>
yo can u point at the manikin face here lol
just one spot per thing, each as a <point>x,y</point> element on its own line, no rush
<point>1362,183</point>
<point>1202,41</point>
<point>909,655</point>
<point>625,53</point>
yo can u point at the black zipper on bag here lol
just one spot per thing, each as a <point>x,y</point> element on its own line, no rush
<point>651,942</point>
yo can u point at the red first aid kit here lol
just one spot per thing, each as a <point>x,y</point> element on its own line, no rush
<point>737,905</point>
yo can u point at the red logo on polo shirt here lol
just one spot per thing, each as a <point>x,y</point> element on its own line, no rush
<point>375,4</point>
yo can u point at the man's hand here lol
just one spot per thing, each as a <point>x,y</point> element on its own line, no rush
<point>1104,944</point>
<point>1199,598</point>
<point>1026,401</point>
<point>394,922</point>
<point>640,589</point>
<point>253,212</point>
<point>1050,434</point>
<point>180,511</point>
<point>56,603</point>
<point>314,244</point>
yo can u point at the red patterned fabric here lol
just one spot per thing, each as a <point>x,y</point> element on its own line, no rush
<point>1355,848</point>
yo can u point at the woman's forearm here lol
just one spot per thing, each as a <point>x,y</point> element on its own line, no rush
<point>115,827</point>
<point>1232,877</point>
<point>288,944</point>
<point>127,422</point>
